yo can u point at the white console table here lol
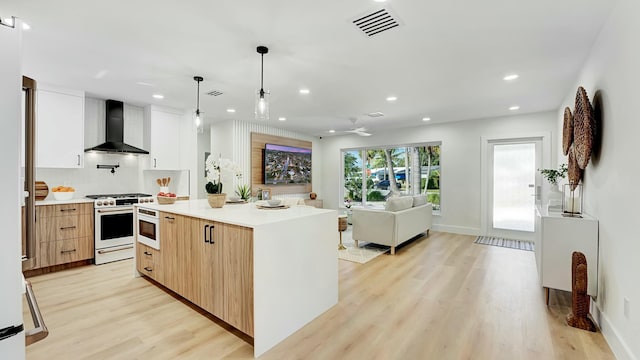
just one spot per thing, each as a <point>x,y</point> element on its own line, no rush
<point>557,237</point>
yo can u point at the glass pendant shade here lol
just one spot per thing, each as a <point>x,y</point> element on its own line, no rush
<point>198,122</point>
<point>262,105</point>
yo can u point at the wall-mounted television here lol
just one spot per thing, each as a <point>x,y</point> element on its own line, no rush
<point>286,165</point>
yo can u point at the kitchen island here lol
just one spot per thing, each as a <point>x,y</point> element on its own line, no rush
<point>267,272</point>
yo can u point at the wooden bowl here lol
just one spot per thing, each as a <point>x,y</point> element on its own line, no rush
<point>166,200</point>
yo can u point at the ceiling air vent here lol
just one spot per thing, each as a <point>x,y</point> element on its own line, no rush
<point>214,93</point>
<point>376,22</point>
<point>375,114</point>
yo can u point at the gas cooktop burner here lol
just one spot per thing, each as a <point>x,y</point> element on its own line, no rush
<point>118,196</point>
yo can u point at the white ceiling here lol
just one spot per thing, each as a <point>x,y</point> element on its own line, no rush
<point>446,61</point>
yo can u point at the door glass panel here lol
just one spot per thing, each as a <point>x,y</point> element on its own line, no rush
<point>116,226</point>
<point>513,190</point>
<point>353,176</point>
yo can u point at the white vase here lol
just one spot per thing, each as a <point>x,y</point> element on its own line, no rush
<point>555,198</point>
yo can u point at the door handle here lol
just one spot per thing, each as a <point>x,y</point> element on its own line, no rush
<point>205,233</point>
<point>211,235</point>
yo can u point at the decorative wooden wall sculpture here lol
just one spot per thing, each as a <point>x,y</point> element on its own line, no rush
<point>578,131</point>
<point>579,316</point>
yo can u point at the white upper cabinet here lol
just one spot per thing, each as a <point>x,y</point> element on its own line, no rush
<point>59,128</point>
<point>162,137</point>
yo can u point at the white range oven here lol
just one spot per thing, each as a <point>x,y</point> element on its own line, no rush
<point>149,227</point>
<point>114,225</point>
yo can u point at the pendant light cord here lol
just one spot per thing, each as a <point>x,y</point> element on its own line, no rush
<point>198,99</point>
<point>261,72</point>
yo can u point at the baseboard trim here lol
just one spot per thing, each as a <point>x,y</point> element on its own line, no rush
<point>456,229</point>
<point>618,346</point>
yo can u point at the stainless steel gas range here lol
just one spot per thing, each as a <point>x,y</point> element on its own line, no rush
<point>114,225</point>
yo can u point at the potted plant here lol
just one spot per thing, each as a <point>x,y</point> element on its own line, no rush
<point>244,191</point>
<point>552,175</point>
<point>215,169</point>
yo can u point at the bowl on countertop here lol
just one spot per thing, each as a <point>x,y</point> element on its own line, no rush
<point>274,202</point>
<point>63,195</point>
<point>166,200</point>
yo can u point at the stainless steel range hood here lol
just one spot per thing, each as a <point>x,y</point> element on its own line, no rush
<point>115,131</point>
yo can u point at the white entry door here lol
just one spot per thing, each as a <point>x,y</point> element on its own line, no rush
<point>514,185</point>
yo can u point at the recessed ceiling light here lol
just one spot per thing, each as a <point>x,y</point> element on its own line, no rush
<point>231,110</point>
<point>392,98</point>
<point>426,118</point>
<point>514,108</point>
<point>332,131</point>
<point>511,77</point>
<point>158,96</point>
<point>282,118</point>
<point>304,91</point>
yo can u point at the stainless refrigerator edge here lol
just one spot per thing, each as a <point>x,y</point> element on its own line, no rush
<point>12,334</point>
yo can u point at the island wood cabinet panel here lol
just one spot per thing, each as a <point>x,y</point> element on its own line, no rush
<point>60,128</point>
<point>209,263</point>
<point>64,233</point>
<point>162,129</point>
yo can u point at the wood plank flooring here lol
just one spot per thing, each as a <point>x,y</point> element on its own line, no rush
<point>440,297</point>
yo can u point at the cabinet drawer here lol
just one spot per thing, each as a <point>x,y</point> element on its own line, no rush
<point>66,251</point>
<point>63,209</point>
<point>148,261</point>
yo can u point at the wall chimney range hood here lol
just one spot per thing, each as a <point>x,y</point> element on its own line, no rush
<point>115,131</point>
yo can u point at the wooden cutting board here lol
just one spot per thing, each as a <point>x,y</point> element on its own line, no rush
<point>42,190</point>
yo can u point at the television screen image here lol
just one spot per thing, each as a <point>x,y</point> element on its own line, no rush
<point>286,165</point>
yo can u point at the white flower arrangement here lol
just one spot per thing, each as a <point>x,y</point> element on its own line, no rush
<point>215,169</point>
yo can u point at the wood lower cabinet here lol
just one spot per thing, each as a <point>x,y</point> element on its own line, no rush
<point>64,233</point>
<point>149,262</point>
<point>207,262</point>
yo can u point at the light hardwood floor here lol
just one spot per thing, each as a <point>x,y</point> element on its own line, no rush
<point>440,297</point>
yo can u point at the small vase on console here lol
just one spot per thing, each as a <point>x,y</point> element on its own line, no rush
<point>216,200</point>
<point>555,198</point>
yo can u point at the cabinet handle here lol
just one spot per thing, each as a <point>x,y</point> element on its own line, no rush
<point>67,251</point>
<point>148,269</point>
<point>211,235</point>
<point>78,159</point>
<point>148,253</point>
<point>70,209</point>
<point>155,162</point>
<point>205,233</point>
<point>67,227</point>
<point>170,218</point>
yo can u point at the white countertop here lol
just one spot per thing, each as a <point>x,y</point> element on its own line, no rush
<point>52,201</point>
<point>544,212</point>
<point>247,215</point>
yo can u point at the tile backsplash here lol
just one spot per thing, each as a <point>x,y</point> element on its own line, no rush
<point>91,180</point>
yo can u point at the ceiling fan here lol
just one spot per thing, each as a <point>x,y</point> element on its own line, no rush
<point>357,130</point>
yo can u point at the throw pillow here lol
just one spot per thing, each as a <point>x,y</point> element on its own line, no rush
<point>419,200</point>
<point>398,203</point>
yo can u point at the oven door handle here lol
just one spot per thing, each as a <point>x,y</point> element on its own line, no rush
<point>114,250</point>
<point>124,211</point>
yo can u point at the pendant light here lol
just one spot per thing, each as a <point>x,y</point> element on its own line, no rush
<point>198,120</point>
<point>262,103</point>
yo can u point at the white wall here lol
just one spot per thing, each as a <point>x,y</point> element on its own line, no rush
<point>610,181</point>
<point>132,175</point>
<point>459,160</point>
<point>204,145</point>
<point>90,179</point>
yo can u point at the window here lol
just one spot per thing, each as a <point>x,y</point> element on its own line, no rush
<point>371,175</point>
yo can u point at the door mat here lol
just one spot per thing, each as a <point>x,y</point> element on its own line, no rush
<point>507,243</point>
